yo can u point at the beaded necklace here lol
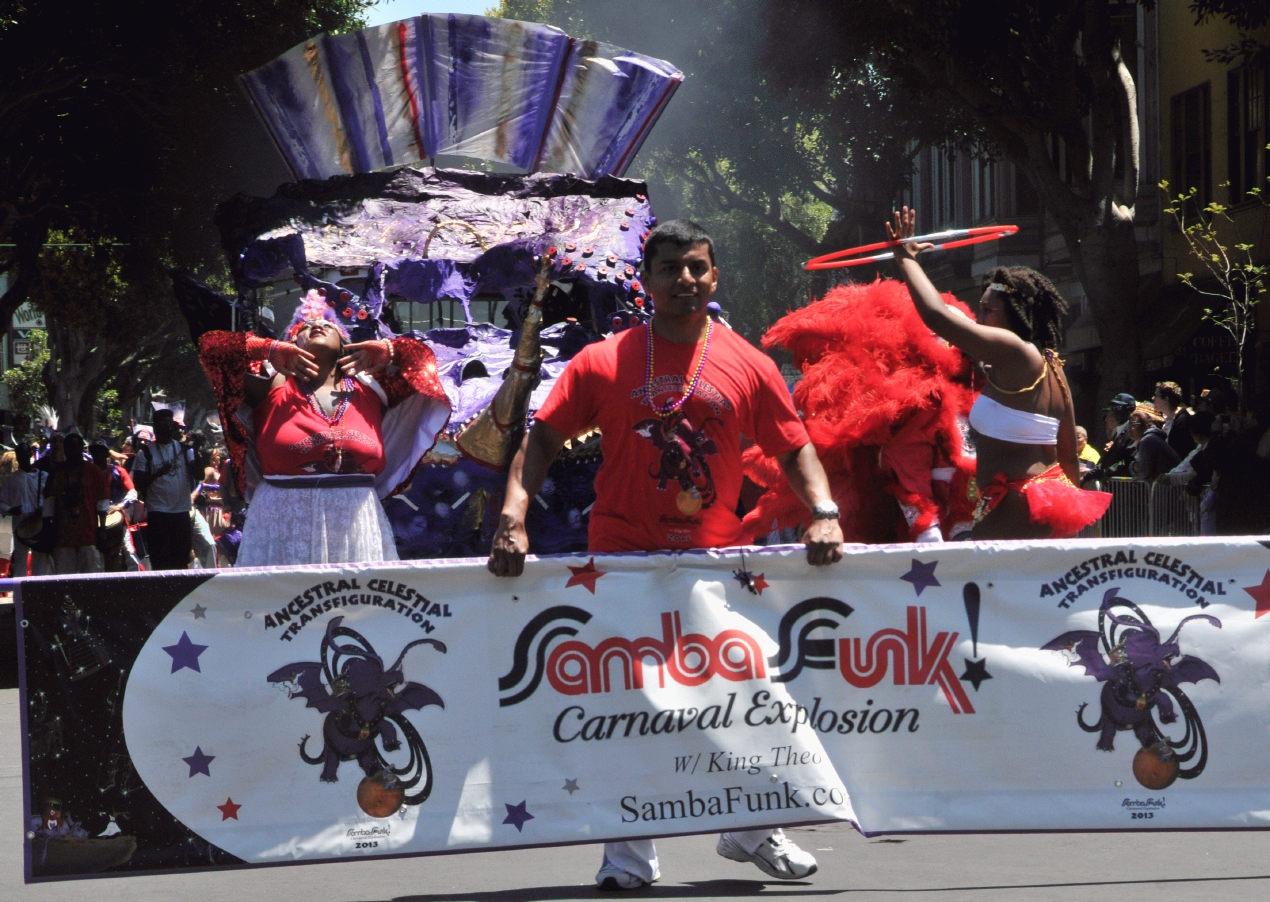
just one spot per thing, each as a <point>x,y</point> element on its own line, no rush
<point>666,411</point>
<point>346,390</point>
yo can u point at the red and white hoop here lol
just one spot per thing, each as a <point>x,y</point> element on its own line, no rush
<point>942,240</point>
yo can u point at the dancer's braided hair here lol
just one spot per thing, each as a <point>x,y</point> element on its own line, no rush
<point>1034,307</point>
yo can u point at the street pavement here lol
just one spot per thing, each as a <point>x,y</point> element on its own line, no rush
<point>1126,867</point>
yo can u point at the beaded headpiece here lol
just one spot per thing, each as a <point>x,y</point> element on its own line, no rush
<point>315,305</point>
<point>1036,305</point>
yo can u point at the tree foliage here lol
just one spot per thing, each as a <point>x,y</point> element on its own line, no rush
<point>25,381</point>
<point>121,124</point>
<point>105,329</point>
<point>1231,282</point>
<point>776,173</point>
<point>1033,76</point>
<point>1246,15</point>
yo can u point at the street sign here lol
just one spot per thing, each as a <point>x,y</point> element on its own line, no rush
<point>26,318</point>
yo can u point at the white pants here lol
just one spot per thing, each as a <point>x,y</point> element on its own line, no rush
<point>639,856</point>
<point>201,541</point>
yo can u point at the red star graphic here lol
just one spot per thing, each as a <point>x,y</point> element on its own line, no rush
<point>760,584</point>
<point>584,576</point>
<point>1261,594</point>
<point>228,810</point>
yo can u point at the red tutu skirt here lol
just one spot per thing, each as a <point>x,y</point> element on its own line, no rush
<point>1052,500</point>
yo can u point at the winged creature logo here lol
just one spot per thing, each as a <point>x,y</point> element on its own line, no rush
<point>365,705</point>
<point>683,451</point>
<point>1142,679</point>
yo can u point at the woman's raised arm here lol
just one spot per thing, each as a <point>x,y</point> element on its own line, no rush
<point>1014,358</point>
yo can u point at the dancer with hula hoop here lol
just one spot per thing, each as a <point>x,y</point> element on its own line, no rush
<point>1025,427</point>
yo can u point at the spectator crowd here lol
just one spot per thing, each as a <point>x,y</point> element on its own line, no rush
<point>163,498</point>
<point>160,498</point>
<point>1215,452</point>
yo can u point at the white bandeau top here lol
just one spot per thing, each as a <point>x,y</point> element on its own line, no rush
<point>993,419</point>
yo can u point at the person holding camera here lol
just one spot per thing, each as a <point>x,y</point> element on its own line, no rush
<point>161,472</point>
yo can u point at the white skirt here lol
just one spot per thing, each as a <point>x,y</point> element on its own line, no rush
<point>289,526</point>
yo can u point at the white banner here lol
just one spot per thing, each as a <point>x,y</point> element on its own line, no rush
<point>423,707</point>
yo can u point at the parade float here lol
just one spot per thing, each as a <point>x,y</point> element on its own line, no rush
<point>366,122</point>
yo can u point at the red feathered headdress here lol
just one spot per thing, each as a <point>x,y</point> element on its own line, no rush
<point>877,387</point>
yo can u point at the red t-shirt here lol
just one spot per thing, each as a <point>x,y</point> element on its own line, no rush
<point>671,488</point>
<point>293,440</point>
<point>79,529</point>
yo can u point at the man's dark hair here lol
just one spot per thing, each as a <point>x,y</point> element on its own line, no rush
<point>164,413</point>
<point>680,233</point>
<point>1201,424</point>
<point>73,445</point>
<point>1171,392</point>
<point>1033,307</point>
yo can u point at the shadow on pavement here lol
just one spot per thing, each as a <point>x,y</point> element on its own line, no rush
<point>697,889</point>
<point>1146,881</point>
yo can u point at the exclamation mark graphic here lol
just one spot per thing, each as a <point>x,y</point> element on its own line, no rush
<point>976,670</point>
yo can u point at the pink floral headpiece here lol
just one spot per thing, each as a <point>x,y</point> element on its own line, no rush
<point>315,306</point>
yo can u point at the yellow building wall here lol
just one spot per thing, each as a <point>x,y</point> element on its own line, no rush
<point>1182,66</point>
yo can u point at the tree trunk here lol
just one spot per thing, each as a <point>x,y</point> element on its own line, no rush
<point>1105,257</point>
<point>73,375</point>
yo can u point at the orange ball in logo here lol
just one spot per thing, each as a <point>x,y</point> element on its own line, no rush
<point>379,800</point>
<point>1155,769</point>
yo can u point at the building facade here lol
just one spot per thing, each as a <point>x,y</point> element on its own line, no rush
<point>1202,124</point>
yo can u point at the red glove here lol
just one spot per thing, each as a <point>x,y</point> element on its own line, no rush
<point>380,352</point>
<point>282,354</point>
<point>367,357</point>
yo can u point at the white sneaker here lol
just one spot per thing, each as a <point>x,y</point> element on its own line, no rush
<point>776,856</point>
<point>614,878</point>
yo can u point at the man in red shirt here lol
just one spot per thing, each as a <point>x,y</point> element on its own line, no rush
<point>79,490</point>
<point>672,401</point>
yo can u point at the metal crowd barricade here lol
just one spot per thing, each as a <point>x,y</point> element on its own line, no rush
<point>1174,512</point>
<point>1130,512</point>
<point>1145,509</point>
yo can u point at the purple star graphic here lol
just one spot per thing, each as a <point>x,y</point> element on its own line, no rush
<point>198,762</point>
<point>922,576</point>
<point>517,815</point>
<point>185,653</point>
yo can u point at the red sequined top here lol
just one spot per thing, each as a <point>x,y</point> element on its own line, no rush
<point>224,359</point>
<point>293,440</point>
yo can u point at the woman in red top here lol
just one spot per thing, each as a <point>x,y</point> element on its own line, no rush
<point>323,441</point>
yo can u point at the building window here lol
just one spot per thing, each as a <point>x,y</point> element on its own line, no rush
<point>943,187</point>
<point>1192,137</point>
<point>985,190</point>
<point>1246,119</point>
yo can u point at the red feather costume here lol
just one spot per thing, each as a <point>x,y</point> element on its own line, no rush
<point>884,400</point>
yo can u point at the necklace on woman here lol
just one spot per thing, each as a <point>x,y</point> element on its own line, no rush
<point>671,409</point>
<point>346,392</point>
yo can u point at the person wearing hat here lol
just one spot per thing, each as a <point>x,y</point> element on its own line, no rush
<point>162,473</point>
<point>334,417</point>
<point>1118,455</point>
